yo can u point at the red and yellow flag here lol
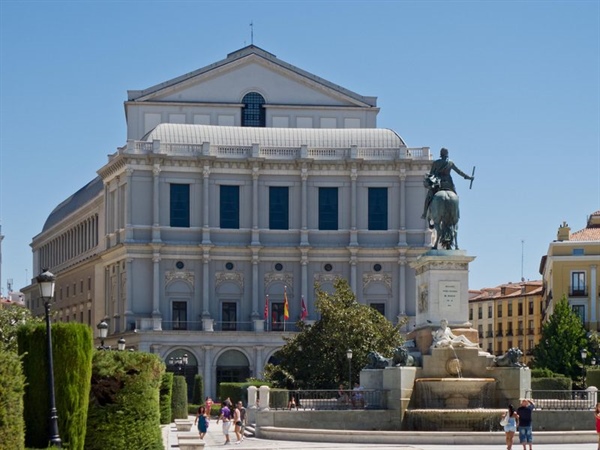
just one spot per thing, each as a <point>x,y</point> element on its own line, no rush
<point>286,307</point>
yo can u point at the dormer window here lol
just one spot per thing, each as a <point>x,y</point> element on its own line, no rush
<point>253,113</point>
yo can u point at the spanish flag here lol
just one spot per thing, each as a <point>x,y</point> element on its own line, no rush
<point>286,307</point>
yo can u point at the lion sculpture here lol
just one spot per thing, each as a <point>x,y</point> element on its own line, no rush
<point>510,358</point>
<point>402,358</point>
<point>376,361</point>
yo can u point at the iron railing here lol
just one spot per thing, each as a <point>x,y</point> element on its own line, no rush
<point>331,400</point>
<point>564,400</point>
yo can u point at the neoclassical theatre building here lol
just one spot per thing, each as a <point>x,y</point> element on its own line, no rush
<point>239,183</point>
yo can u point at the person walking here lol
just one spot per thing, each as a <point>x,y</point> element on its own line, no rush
<point>240,406</point>
<point>597,415</point>
<point>237,422</point>
<point>511,420</point>
<point>525,413</point>
<point>225,416</point>
<point>201,421</point>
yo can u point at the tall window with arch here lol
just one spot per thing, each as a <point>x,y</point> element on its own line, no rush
<point>253,112</point>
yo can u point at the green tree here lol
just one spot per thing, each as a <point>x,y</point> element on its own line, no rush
<point>11,316</point>
<point>563,337</point>
<point>315,358</point>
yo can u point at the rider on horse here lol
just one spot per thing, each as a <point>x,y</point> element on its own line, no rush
<point>439,179</point>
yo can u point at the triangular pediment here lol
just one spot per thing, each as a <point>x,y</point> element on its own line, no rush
<point>252,69</point>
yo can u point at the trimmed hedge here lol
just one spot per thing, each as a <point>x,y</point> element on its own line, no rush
<point>198,390</point>
<point>72,347</point>
<point>166,393</point>
<point>124,410</point>
<point>12,388</point>
<point>551,384</point>
<point>239,391</point>
<point>179,403</point>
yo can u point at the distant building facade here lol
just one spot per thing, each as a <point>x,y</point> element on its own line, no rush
<point>570,269</point>
<point>242,183</point>
<point>506,316</point>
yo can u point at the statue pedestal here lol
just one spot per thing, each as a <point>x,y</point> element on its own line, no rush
<point>442,278</point>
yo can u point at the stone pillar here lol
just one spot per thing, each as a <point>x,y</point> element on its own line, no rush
<point>156,315</point>
<point>304,276</point>
<point>402,209</point>
<point>353,209</point>
<point>402,285</point>
<point>205,285</point>
<point>129,205</point>
<point>593,297</point>
<point>205,203</point>
<point>208,379</point>
<point>155,203</point>
<point>255,284</point>
<point>255,206</point>
<point>129,316</point>
<point>304,208</point>
<point>264,398</point>
<point>252,392</point>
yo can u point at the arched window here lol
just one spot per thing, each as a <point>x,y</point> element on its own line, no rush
<point>253,113</point>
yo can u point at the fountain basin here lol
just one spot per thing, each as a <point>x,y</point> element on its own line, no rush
<point>479,419</point>
<point>455,393</point>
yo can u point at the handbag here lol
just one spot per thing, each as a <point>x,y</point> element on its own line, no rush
<point>504,421</point>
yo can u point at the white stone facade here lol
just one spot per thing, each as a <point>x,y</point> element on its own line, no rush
<point>152,246</point>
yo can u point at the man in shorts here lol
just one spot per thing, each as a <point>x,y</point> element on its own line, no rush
<point>226,416</point>
<point>525,411</point>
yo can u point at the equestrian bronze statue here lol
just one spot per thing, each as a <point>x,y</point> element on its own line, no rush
<point>441,204</point>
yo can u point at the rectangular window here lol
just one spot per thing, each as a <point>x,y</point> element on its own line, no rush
<point>530,306</point>
<point>578,283</point>
<point>378,209</point>
<point>520,309</point>
<point>279,206</point>
<point>180,315</point>
<point>530,329</point>
<point>499,330</point>
<point>509,330</point>
<point>180,205</point>
<point>470,313</point>
<point>230,207</point>
<point>490,311</point>
<point>490,332</point>
<point>480,312</point>
<point>229,316</point>
<point>520,329</point>
<point>379,307</point>
<point>499,315</point>
<point>480,331</point>
<point>328,208</point>
<point>277,316</point>
<point>509,312</point>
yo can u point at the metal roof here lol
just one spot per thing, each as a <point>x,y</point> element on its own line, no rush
<point>276,137</point>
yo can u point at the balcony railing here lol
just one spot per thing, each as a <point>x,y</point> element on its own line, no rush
<point>146,324</point>
<point>577,291</point>
<point>279,152</point>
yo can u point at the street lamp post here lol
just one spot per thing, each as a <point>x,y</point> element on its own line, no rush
<point>583,358</point>
<point>180,362</point>
<point>103,330</point>
<point>46,284</point>
<point>349,356</point>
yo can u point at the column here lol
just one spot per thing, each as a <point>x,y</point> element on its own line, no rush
<point>402,209</point>
<point>155,204</point>
<point>156,287</point>
<point>258,361</point>
<point>206,284</point>
<point>255,283</point>
<point>208,372</point>
<point>353,269</point>
<point>304,207</point>
<point>594,296</point>
<point>205,210</point>
<point>129,205</point>
<point>353,232</point>
<point>255,233</point>
<point>304,278</point>
<point>402,285</point>
<point>129,318</point>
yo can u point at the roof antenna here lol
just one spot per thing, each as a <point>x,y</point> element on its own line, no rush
<point>251,32</point>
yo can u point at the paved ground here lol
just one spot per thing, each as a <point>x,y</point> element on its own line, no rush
<point>215,439</point>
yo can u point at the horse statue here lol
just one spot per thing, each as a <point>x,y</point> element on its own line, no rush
<point>443,212</point>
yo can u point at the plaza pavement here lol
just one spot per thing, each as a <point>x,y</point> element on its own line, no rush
<point>214,439</point>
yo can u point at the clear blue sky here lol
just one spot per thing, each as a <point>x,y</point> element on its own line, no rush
<point>512,87</point>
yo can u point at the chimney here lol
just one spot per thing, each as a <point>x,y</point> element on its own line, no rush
<point>564,232</point>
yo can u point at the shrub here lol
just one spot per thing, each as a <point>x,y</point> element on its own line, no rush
<point>558,383</point>
<point>166,393</point>
<point>239,391</point>
<point>179,409</point>
<point>124,410</point>
<point>72,347</point>
<point>12,388</point>
<point>198,390</point>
